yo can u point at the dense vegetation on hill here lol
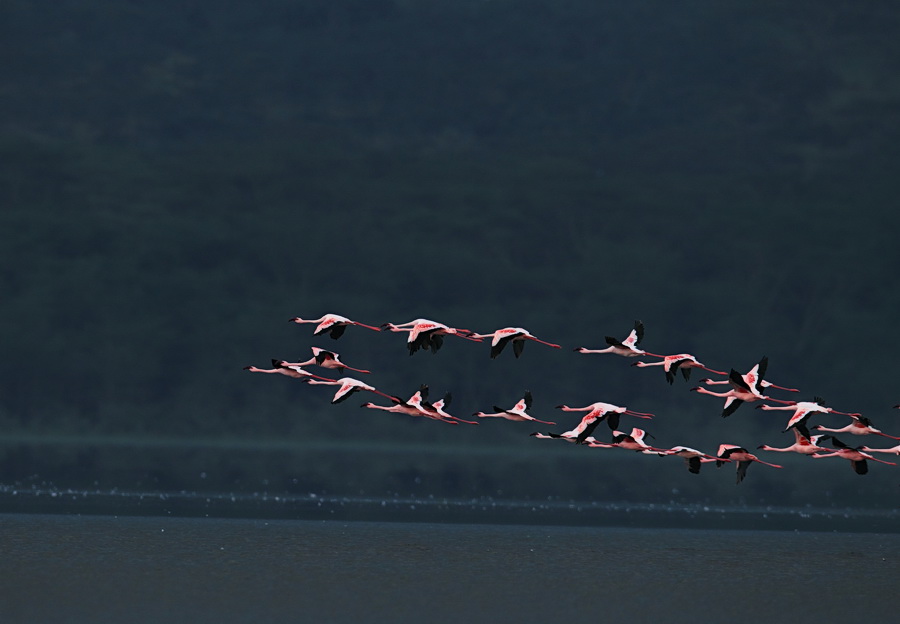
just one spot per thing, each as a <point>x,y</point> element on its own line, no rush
<point>180,178</point>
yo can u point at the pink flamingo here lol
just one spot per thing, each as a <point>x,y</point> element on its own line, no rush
<point>283,368</point>
<point>741,392</point>
<point>860,425</point>
<point>633,441</point>
<point>425,334</point>
<point>597,413</point>
<point>333,324</point>
<point>673,363</point>
<point>438,407</point>
<point>347,387</point>
<point>742,456</point>
<point>567,436</point>
<point>753,378</point>
<point>627,347</point>
<point>802,411</point>
<point>325,359</point>
<point>693,458</point>
<point>515,335</point>
<point>399,407</point>
<point>856,456</point>
<point>894,450</point>
<point>517,413</point>
<point>803,444</point>
<point>417,405</point>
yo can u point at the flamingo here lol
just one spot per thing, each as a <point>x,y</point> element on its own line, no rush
<point>516,335</point>
<point>517,413</point>
<point>754,378</point>
<point>804,444</point>
<point>741,392</point>
<point>333,324</point>
<point>681,361</point>
<point>410,407</point>
<point>860,426</point>
<point>633,441</point>
<point>399,407</point>
<point>856,456</point>
<point>627,347</point>
<point>693,458</point>
<point>567,436</point>
<point>802,411</point>
<point>438,407</point>
<point>348,386</point>
<point>283,368</point>
<point>425,334</point>
<point>325,359</point>
<point>742,456</point>
<point>894,450</point>
<point>598,412</point>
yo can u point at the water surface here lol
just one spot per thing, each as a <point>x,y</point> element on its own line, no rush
<point>86,568</point>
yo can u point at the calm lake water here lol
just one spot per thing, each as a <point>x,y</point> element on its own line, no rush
<point>134,569</point>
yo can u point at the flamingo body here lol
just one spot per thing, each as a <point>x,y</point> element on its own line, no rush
<point>515,335</point>
<point>332,324</point>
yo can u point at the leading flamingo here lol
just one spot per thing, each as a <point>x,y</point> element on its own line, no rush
<point>283,368</point>
<point>333,324</point>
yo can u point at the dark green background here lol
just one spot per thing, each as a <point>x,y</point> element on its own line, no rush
<point>177,179</point>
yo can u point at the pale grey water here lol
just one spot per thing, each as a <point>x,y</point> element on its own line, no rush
<point>99,569</point>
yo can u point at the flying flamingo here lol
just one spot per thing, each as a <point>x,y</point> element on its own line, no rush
<point>856,456</point>
<point>438,407</point>
<point>693,458</point>
<point>516,335</point>
<point>410,408</point>
<point>568,436</point>
<point>627,347</point>
<point>753,378</point>
<point>894,450</point>
<point>673,363</point>
<point>425,334</point>
<point>741,392</point>
<point>860,426</point>
<point>633,441</point>
<point>598,412</point>
<point>283,368</point>
<point>803,444</point>
<point>517,413</point>
<point>348,386</point>
<point>332,324</point>
<point>325,359</point>
<point>802,411</point>
<point>742,456</point>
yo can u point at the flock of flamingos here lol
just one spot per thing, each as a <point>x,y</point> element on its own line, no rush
<point>749,387</point>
